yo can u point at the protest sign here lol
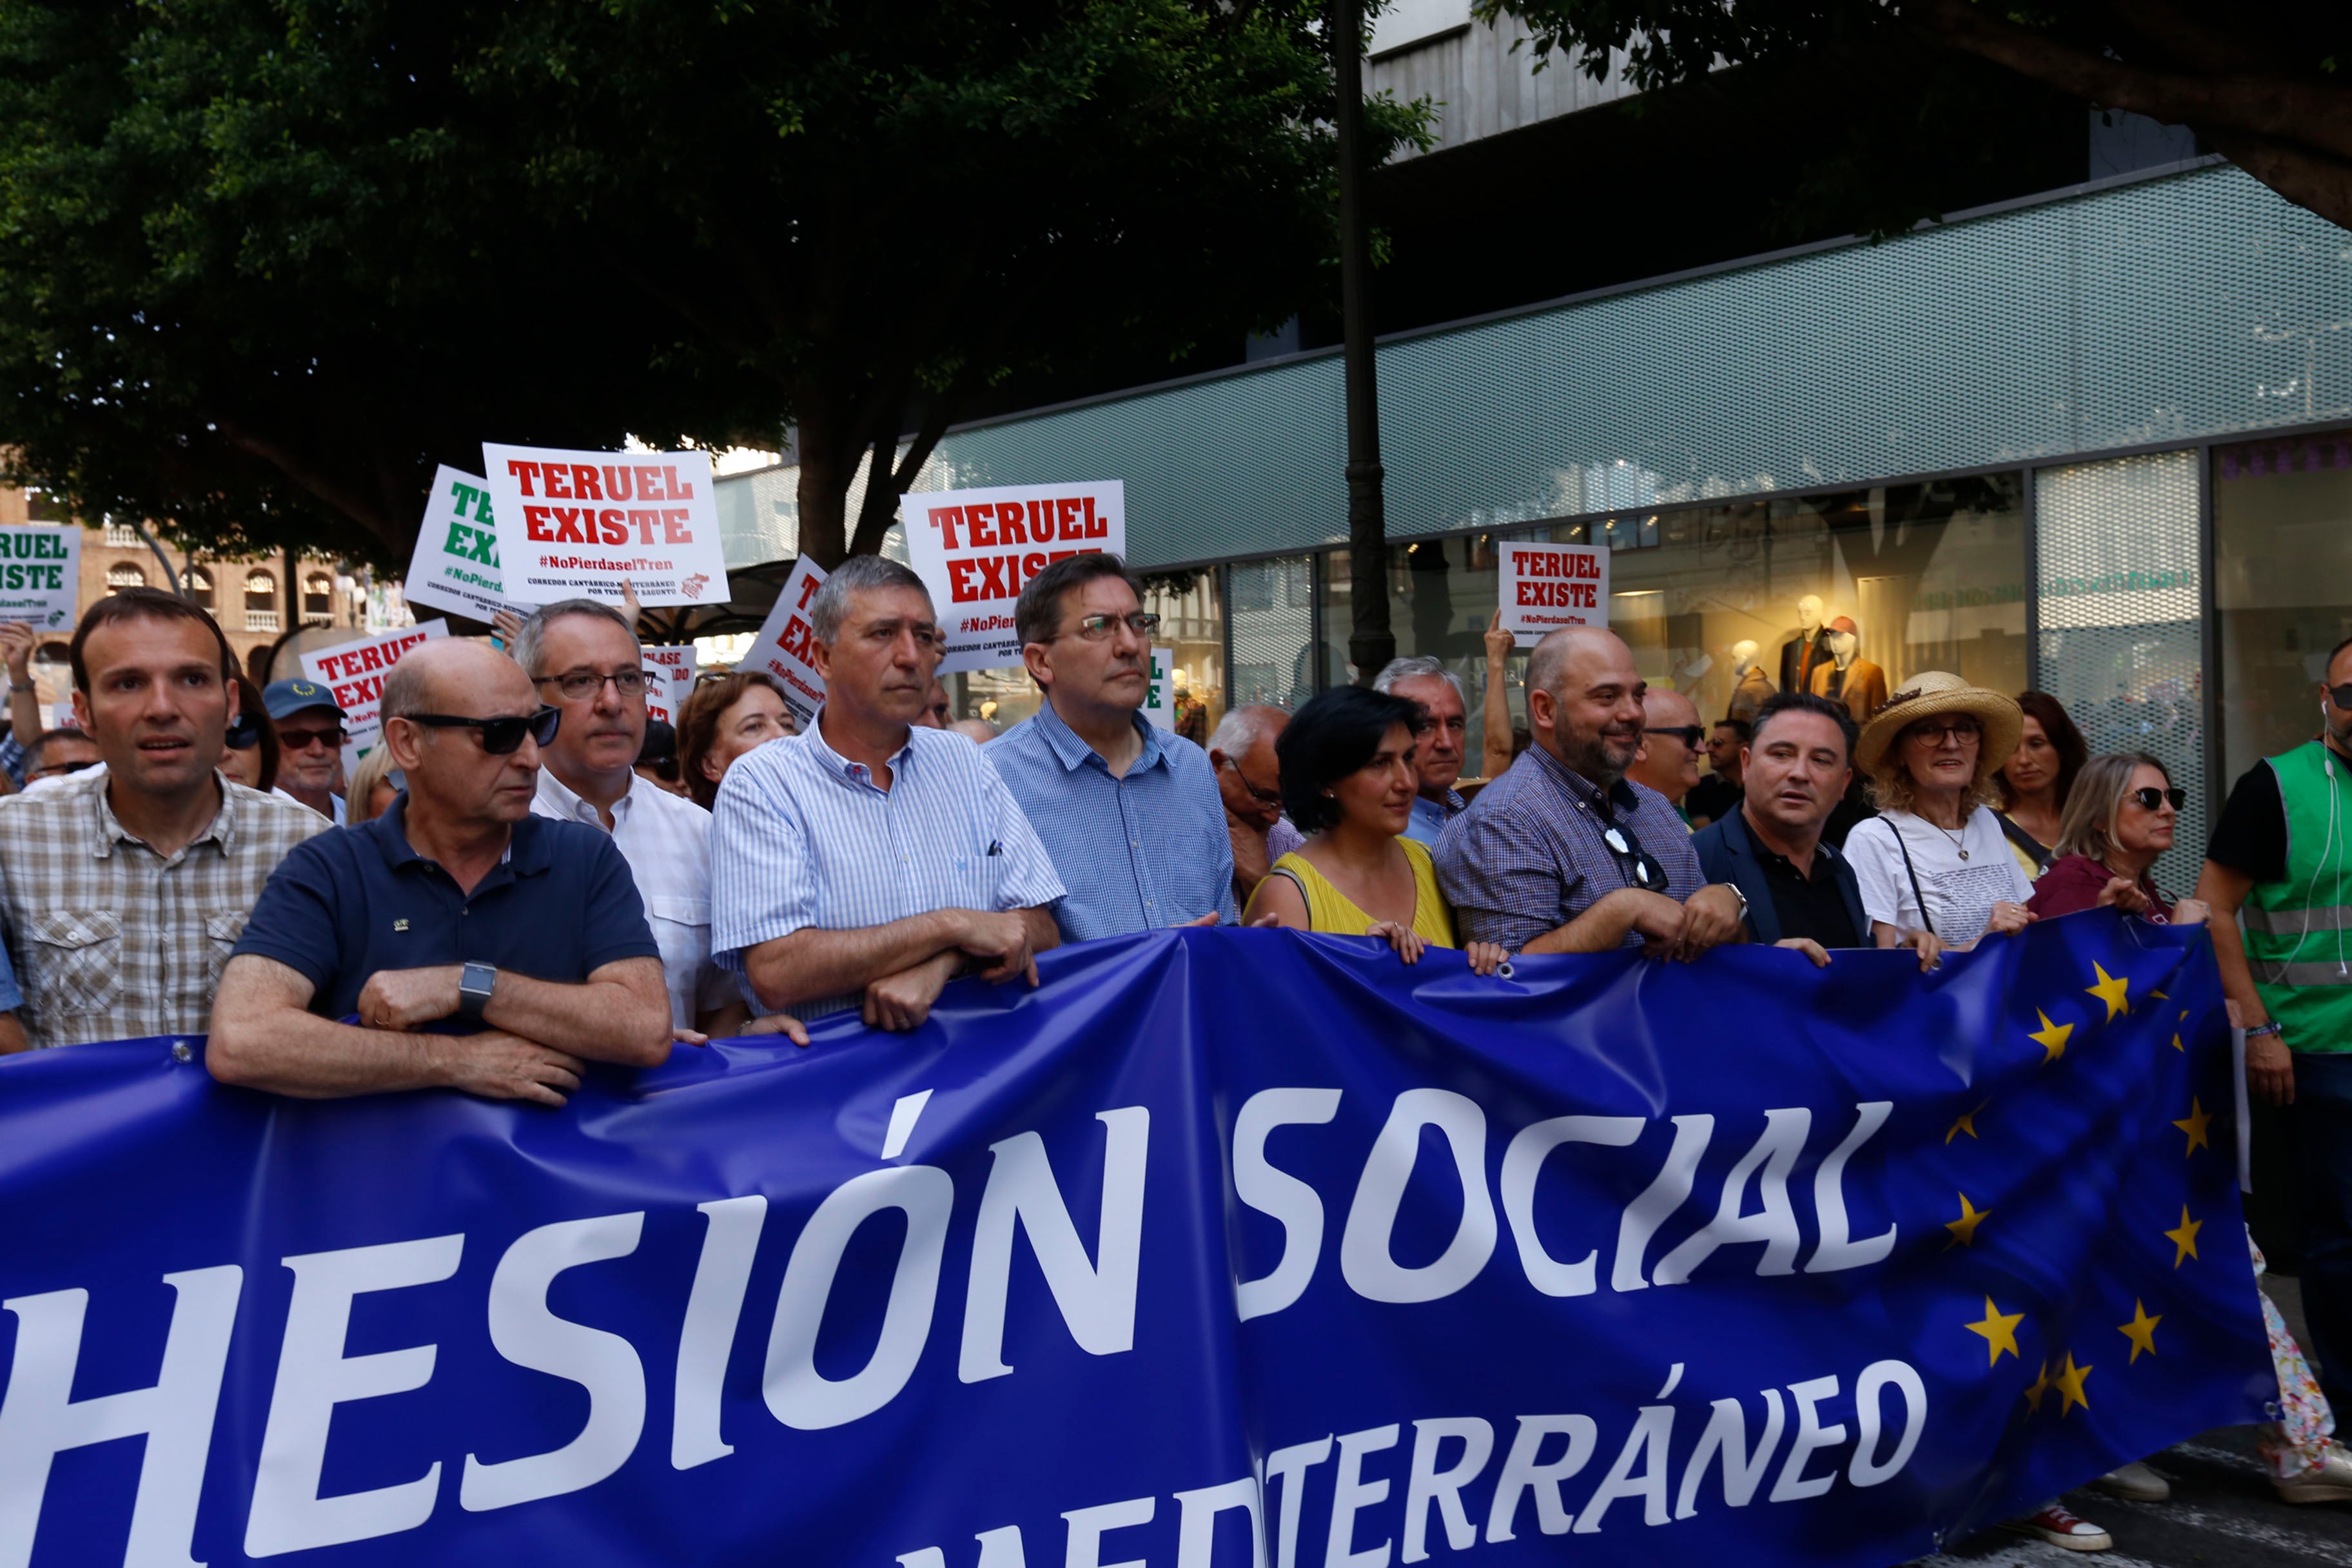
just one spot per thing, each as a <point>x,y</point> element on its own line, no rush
<point>353,672</point>
<point>974,549</point>
<point>1543,588</point>
<point>1218,1248</point>
<point>582,524</point>
<point>782,647</point>
<point>1159,696</point>
<point>665,698</point>
<point>40,574</point>
<point>455,566</point>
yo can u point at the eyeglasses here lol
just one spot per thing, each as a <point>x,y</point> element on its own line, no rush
<point>2341,696</point>
<point>501,736</point>
<point>1960,732</point>
<point>1094,628</point>
<point>576,684</point>
<point>60,770</point>
<point>1265,796</point>
<point>1689,735</point>
<point>1636,865</point>
<point>2149,797</point>
<point>303,739</point>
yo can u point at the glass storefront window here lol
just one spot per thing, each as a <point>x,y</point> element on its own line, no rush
<point>1192,628</point>
<point>1271,607</point>
<point>2282,586</point>
<point>1441,596</point>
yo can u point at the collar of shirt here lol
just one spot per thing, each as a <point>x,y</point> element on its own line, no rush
<point>524,856</point>
<point>1619,801</point>
<point>1074,753</point>
<point>840,768</point>
<point>562,800</point>
<point>222,829</point>
<point>1824,856</point>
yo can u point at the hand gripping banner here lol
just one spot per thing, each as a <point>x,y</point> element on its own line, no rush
<point>1223,1247</point>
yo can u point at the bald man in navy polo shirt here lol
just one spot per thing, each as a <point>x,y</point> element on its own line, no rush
<point>477,946</point>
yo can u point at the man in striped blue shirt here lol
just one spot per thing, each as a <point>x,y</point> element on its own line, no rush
<point>867,862</point>
<point>1130,812</point>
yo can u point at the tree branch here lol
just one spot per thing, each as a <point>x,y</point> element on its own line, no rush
<point>397,534</point>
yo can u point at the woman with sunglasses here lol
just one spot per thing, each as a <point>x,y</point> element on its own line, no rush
<point>2118,820</point>
<point>1348,779</point>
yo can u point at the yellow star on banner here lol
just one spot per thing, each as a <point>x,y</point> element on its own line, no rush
<point>2052,1037</point>
<point>2041,1386</point>
<point>2000,1331</point>
<point>2184,1238</point>
<point>2177,1022</point>
<point>2140,1330</point>
<point>2194,1125</point>
<point>1964,1229</point>
<point>2069,1384</point>
<point>1966,1123</point>
<point>2112,990</point>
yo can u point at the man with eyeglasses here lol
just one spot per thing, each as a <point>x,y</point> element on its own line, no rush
<point>1667,761</point>
<point>122,887</point>
<point>1563,853</point>
<point>865,862</point>
<point>60,754</point>
<point>585,659</point>
<point>311,734</point>
<point>1129,812</point>
<point>1249,781</point>
<point>457,941</point>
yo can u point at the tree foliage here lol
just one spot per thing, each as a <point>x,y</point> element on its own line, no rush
<point>263,263</point>
<point>2268,84</point>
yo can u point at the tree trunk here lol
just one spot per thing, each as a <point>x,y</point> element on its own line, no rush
<point>1371,642</point>
<point>824,487</point>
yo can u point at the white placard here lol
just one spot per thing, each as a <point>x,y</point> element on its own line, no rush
<point>353,674</point>
<point>581,524</point>
<point>665,699</point>
<point>455,566</point>
<point>783,649</point>
<point>1159,696</point>
<point>974,549</point>
<point>1543,588</point>
<point>40,574</point>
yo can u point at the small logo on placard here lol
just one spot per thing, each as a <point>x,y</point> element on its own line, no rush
<point>692,586</point>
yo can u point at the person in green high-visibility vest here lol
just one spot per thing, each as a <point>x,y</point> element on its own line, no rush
<point>2278,867</point>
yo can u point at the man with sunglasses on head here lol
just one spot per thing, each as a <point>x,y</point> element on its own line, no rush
<point>865,862</point>
<point>122,887</point>
<point>585,659</point>
<point>310,725</point>
<point>1563,853</point>
<point>469,944</point>
<point>1668,759</point>
<point>1130,812</point>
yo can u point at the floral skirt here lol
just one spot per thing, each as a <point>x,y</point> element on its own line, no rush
<point>2301,1425</point>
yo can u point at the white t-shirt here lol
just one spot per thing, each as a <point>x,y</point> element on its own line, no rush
<point>1961,889</point>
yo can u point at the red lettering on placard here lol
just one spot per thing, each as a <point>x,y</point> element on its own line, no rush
<point>677,492</point>
<point>674,529</point>
<point>347,696</point>
<point>370,658</point>
<point>959,585</point>
<point>524,473</point>
<point>641,519</point>
<point>809,585</point>
<point>1065,513</point>
<point>617,482</point>
<point>617,531</point>
<point>555,478</point>
<point>992,577</point>
<point>567,525</point>
<point>1010,525</point>
<point>1097,527</point>
<point>980,526</point>
<point>947,519</point>
<point>534,523</point>
<point>584,483</point>
<point>798,635</point>
<point>1032,564</point>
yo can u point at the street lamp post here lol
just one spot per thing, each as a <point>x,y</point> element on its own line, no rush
<point>1370,643</point>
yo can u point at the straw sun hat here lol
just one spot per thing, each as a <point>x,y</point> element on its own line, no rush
<point>1931,694</point>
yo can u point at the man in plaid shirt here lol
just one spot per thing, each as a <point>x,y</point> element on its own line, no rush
<point>122,891</point>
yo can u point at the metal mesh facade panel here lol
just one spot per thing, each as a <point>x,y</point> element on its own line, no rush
<point>2122,642</point>
<point>1269,609</point>
<point>2191,305</point>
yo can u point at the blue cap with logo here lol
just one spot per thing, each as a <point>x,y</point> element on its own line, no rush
<point>284,699</point>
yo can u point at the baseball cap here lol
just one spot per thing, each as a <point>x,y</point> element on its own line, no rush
<point>284,699</point>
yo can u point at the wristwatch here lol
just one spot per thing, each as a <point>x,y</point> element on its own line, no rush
<point>2262,1031</point>
<point>1736,893</point>
<point>475,983</point>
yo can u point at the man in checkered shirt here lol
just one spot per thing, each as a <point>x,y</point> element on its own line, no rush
<point>122,890</point>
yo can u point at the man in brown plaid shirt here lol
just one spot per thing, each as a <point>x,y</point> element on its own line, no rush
<point>122,891</point>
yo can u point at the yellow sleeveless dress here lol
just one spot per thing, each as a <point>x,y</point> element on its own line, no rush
<point>1329,910</point>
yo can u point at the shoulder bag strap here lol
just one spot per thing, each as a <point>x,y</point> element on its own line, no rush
<point>2023,840</point>
<point>1913,873</point>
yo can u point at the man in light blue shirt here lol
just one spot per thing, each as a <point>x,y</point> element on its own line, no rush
<point>1438,755</point>
<point>1130,812</point>
<point>868,861</point>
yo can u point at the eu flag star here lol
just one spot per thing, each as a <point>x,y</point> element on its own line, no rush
<point>1964,1229</point>
<point>2111,989</point>
<point>2000,1331</point>
<point>2069,1384</point>
<point>2051,1037</point>
<point>1966,1123</point>
<point>2140,1330</point>
<point>2041,1386</point>
<point>2184,1238</point>
<point>2194,1125</point>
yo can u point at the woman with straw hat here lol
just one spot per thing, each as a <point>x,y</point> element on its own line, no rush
<point>1934,859</point>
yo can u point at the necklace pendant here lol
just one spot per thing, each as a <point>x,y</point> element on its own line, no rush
<point>1964,854</point>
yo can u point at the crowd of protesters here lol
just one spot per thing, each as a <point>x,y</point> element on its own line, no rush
<point>528,874</point>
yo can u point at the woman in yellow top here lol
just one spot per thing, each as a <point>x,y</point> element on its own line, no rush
<point>1348,781</point>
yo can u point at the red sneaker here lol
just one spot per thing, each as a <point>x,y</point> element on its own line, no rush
<point>2057,1526</point>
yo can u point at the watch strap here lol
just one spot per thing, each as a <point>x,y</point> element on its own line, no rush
<point>476,981</point>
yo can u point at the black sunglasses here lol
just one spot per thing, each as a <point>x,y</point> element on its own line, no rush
<point>1689,735</point>
<point>1636,865</point>
<point>500,736</point>
<point>2341,696</point>
<point>2150,797</point>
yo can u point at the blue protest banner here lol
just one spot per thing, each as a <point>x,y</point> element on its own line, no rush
<point>1221,1247</point>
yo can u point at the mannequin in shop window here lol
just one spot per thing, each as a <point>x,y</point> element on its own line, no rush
<point>1750,685</point>
<point>1846,677</point>
<point>1806,649</point>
